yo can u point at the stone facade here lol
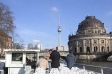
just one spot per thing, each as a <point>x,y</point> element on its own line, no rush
<point>5,42</point>
<point>91,37</point>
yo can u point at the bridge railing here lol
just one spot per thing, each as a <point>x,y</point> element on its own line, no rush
<point>1,71</point>
<point>100,67</point>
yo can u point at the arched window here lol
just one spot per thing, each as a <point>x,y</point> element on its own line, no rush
<point>87,49</point>
<point>102,41</point>
<point>75,50</point>
<point>102,48</point>
<point>95,41</point>
<point>81,50</point>
<point>108,49</point>
<point>95,49</point>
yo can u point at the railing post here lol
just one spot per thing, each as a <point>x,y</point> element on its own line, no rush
<point>101,71</point>
<point>83,67</point>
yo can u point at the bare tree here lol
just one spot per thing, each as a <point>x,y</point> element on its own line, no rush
<point>6,19</point>
<point>17,41</point>
<point>15,37</point>
<point>7,26</point>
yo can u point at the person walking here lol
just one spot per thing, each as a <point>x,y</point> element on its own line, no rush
<point>55,57</point>
<point>70,59</point>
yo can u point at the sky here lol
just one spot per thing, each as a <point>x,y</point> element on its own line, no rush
<point>37,20</point>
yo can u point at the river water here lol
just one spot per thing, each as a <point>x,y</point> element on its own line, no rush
<point>96,69</point>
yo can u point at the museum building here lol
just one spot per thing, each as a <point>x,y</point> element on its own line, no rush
<point>91,37</point>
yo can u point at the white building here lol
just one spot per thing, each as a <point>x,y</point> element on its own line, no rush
<point>38,46</point>
<point>30,46</point>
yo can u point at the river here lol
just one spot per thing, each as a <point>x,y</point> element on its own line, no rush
<point>103,64</point>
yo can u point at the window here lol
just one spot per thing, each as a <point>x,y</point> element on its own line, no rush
<point>75,42</point>
<point>80,42</point>
<point>92,31</point>
<point>17,56</point>
<point>95,41</point>
<point>87,22</point>
<point>89,31</point>
<point>97,21</point>
<point>32,56</point>
<point>99,31</point>
<point>102,41</point>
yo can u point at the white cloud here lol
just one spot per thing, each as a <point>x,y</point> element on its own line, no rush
<point>54,9</point>
<point>109,13</point>
<point>36,41</point>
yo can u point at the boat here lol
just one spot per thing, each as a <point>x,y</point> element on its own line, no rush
<point>16,63</point>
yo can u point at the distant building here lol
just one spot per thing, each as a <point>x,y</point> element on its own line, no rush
<point>62,48</point>
<point>30,46</point>
<point>38,46</point>
<point>66,48</point>
<point>5,41</point>
<point>91,37</point>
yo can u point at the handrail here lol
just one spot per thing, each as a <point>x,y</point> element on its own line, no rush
<point>94,66</point>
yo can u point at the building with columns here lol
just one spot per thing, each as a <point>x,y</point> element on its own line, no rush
<point>91,37</point>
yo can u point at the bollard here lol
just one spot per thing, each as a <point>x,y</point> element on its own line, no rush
<point>101,71</point>
<point>84,67</point>
<point>1,72</point>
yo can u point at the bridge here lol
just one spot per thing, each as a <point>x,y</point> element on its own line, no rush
<point>62,53</point>
<point>103,56</point>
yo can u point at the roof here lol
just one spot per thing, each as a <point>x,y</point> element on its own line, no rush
<point>21,50</point>
<point>2,33</point>
<point>90,21</point>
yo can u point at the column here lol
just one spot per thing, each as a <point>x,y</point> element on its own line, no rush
<point>111,43</point>
<point>83,46</point>
<point>92,49</point>
<point>77,47</point>
<point>105,45</point>
<point>37,56</point>
<point>90,45</point>
<point>24,58</point>
<point>99,45</point>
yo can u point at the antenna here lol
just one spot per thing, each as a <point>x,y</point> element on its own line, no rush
<point>59,20</point>
<point>59,31</point>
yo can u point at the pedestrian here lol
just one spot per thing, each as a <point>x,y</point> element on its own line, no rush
<point>70,59</point>
<point>43,63</point>
<point>55,57</point>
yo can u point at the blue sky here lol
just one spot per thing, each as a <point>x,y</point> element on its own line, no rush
<point>37,20</point>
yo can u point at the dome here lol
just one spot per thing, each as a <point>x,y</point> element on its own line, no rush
<point>90,21</point>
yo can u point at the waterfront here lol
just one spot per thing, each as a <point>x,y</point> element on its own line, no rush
<point>103,64</point>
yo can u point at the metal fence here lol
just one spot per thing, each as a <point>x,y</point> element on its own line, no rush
<point>100,67</point>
